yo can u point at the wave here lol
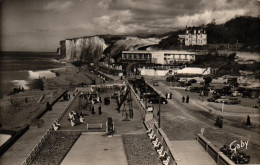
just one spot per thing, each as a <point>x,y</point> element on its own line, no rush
<point>41,74</point>
<point>21,83</point>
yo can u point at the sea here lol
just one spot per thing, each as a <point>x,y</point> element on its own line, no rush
<point>23,69</point>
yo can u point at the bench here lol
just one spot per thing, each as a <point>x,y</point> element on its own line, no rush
<point>163,155</point>
<point>153,137</point>
<point>150,134</point>
<point>159,151</point>
<point>158,145</point>
<point>94,126</point>
<point>166,162</point>
<point>155,141</point>
<point>55,127</point>
<point>149,131</point>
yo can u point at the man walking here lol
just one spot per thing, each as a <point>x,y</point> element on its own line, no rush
<point>99,110</point>
<point>187,99</point>
<point>183,99</point>
<point>93,109</point>
<point>248,121</point>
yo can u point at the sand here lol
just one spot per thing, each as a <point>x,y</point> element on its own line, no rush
<point>17,110</point>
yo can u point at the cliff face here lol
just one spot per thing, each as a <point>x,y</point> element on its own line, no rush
<point>88,49</point>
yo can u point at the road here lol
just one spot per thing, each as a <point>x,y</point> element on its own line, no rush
<point>182,121</point>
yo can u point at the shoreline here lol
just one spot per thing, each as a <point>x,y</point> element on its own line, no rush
<point>17,110</point>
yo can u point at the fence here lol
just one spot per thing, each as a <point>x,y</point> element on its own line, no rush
<point>137,101</point>
<point>37,148</point>
<point>218,156</point>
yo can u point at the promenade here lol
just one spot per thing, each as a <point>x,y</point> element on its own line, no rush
<point>187,151</point>
<point>95,148</point>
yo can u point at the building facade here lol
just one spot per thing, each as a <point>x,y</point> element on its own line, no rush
<point>159,57</point>
<point>194,36</point>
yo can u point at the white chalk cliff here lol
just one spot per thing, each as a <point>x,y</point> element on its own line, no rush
<point>82,49</point>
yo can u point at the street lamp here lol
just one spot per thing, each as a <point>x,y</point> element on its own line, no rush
<point>159,111</point>
<point>222,108</point>
<point>145,94</point>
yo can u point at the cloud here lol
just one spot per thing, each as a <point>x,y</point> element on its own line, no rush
<point>165,15</point>
<point>58,6</point>
<point>207,16</point>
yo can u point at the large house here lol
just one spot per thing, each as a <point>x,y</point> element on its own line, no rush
<point>165,57</point>
<point>194,36</point>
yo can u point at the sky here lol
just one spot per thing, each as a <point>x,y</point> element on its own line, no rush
<point>39,25</point>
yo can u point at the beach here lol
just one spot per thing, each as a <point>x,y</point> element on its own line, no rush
<point>18,109</point>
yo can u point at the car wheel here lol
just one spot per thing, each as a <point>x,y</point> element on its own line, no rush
<point>164,102</point>
<point>150,102</point>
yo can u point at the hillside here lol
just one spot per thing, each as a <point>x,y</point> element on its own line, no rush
<point>242,31</point>
<point>130,43</point>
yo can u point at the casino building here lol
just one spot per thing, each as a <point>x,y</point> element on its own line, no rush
<point>164,57</point>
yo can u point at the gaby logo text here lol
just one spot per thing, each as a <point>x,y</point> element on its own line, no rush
<point>236,145</point>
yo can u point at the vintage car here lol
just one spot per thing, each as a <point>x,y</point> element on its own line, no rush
<point>150,108</point>
<point>156,100</point>
<point>222,99</point>
<point>155,84</point>
<point>236,93</point>
<point>233,100</point>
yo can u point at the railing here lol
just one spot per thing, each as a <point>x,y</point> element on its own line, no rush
<point>218,156</point>
<point>37,148</point>
<point>138,103</point>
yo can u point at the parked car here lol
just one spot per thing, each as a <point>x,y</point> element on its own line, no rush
<point>172,78</point>
<point>156,100</point>
<point>195,89</point>
<point>192,81</point>
<point>233,100</point>
<point>114,95</point>
<point>213,98</point>
<point>236,93</point>
<point>182,80</point>
<point>155,84</point>
<point>150,108</point>
<point>222,99</point>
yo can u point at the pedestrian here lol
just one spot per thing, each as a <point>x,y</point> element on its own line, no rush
<point>99,110</point>
<point>183,99</point>
<point>248,121</point>
<point>93,110</point>
<point>187,99</point>
<point>166,95</point>
<point>171,95</point>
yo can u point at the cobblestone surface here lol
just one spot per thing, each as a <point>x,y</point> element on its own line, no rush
<point>139,150</point>
<point>56,147</point>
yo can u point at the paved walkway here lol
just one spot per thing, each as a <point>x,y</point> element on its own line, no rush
<point>95,148</point>
<point>19,151</point>
<point>191,151</point>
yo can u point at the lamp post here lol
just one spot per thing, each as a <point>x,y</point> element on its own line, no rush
<point>159,111</point>
<point>222,108</point>
<point>145,94</point>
